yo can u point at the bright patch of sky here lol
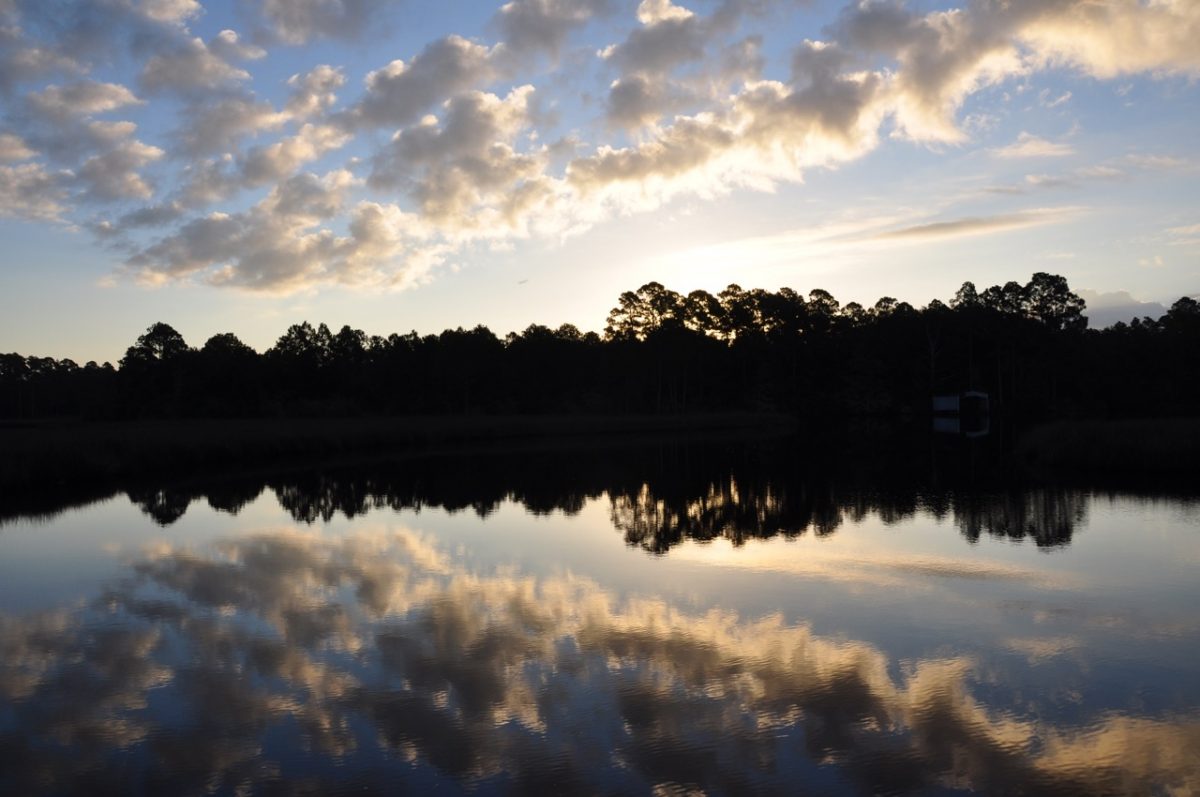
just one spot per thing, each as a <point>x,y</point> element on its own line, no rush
<point>241,166</point>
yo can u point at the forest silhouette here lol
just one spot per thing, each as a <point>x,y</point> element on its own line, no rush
<point>1028,346</point>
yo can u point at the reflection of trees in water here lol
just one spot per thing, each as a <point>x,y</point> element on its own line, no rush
<point>164,505</point>
<point>453,485</point>
<point>281,657</point>
<point>1048,517</point>
<point>724,510</point>
<point>168,504</point>
<point>656,501</point>
<point>737,512</point>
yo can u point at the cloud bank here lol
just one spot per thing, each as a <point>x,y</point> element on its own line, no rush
<point>456,145</point>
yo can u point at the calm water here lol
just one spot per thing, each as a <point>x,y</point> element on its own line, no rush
<point>726,619</point>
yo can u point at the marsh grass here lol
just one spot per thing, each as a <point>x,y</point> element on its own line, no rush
<point>38,457</point>
<point>1134,448</point>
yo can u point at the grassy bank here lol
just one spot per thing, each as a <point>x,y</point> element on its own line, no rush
<point>40,456</point>
<point>1147,448</point>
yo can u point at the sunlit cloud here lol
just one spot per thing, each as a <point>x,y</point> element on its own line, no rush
<point>886,569</point>
<point>980,225</point>
<point>545,25</point>
<point>1107,308</point>
<point>298,21</point>
<point>1042,649</point>
<point>474,140</point>
<point>1186,235</point>
<point>826,246</point>
<point>28,191</point>
<point>1030,146</point>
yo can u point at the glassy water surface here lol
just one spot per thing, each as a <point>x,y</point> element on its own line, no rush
<point>674,620</point>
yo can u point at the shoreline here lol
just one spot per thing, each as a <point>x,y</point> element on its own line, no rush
<point>40,456</point>
<point>68,461</point>
<point>1135,449</point>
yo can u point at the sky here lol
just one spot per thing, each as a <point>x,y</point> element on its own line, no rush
<point>244,165</point>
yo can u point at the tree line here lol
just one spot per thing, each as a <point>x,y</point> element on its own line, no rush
<point>1027,345</point>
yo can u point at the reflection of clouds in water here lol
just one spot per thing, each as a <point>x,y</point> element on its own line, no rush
<point>1133,624</point>
<point>889,568</point>
<point>377,644</point>
<point>1041,649</point>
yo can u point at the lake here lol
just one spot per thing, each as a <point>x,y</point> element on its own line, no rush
<point>724,617</point>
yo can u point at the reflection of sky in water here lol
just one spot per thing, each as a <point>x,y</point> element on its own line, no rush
<point>542,652</point>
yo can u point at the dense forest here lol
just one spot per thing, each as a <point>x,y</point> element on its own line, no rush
<point>1028,346</point>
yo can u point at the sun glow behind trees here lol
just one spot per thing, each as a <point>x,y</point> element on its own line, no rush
<point>662,352</point>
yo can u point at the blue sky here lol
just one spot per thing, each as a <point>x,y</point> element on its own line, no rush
<point>242,166</point>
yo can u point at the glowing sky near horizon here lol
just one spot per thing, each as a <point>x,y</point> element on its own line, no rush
<point>241,166</point>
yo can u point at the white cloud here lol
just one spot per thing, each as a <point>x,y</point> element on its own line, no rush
<point>217,126</point>
<point>1100,172</point>
<point>1111,38</point>
<point>191,67</point>
<point>1068,179</point>
<point>83,98</point>
<point>1028,145</point>
<point>1162,163</point>
<point>13,148</point>
<point>282,244</point>
<point>1047,101</point>
<point>314,92</point>
<point>23,60</point>
<point>277,244</point>
<point>944,56</point>
<point>151,216</point>
<point>979,225</point>
<point>28,191</point>
<point>229,46</point>
<point>281,158</point>
<point>401,92</point>
<point>653,12</point>
<point>387,247</point>
<point>635,101</point>
<point>1047,180</point>
<point>1185,231</point>
<point>216,179</point>
<point>544,25</point>
<point>115,174</point>
<point>768,133</point>
<point>1106,309</point>
<point>670,35</point>
<point>169,11</point>
<point>941,58</point>
<point>299,21</point>
<point>464,165</point>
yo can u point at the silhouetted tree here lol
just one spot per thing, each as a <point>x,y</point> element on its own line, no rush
<point>152,371</point>
<point>1048,299</point>
<point>159,344</point>
<point>226,379</point>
